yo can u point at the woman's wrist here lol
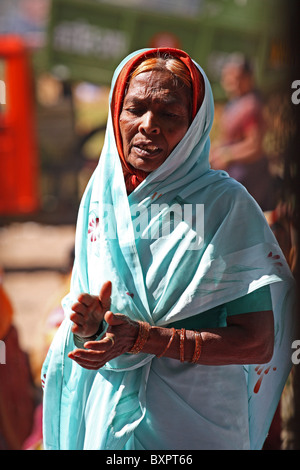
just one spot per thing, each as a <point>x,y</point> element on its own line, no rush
<point>80,340</point>
<point>184,345</point>
<point>142,338</point>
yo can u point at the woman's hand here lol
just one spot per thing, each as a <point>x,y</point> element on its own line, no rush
<point>118,339</point>
<point>88,312</point>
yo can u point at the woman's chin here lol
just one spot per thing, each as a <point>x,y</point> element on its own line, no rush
<point>147,164</point>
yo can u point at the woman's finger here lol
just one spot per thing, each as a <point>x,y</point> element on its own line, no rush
<point>88,359</point>
<point>114,319</point>
<point>86,364</point>
<point>86,354</point>
<point>86,299</point>
<point>105,294</point>
<point>77,318</point>
<point>78,307</point>
<point>105,344</point>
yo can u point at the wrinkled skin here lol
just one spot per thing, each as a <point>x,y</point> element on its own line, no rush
<point>154,119</point>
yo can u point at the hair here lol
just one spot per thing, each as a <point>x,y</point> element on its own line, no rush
<point>175,66</point>
<point>241,61</point>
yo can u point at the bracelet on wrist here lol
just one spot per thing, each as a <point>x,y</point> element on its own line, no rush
<point>198,347</point>
<point>142,338</point>
<point>169,343</point>
<point>182,338</point>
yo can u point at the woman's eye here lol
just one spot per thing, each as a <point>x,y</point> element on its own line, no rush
<point>170,116</point>
<point>135,111</point>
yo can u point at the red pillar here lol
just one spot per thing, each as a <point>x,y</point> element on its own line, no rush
<point>19,169</point>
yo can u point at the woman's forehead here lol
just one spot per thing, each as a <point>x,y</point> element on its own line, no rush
<point>157,85</point>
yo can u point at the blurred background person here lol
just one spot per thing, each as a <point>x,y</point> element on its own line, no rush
<point>17,391</point>
<point>239,149</point>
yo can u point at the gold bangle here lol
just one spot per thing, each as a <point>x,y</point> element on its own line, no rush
<point>182,338</point>
<point>143,335</point>
<point>198,347</point>
<point>169,343</point>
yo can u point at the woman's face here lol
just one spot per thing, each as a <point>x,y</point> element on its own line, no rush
<point>154,118</point>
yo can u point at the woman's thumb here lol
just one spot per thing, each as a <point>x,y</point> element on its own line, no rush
<point>114,319</point>
<point>105,294</point>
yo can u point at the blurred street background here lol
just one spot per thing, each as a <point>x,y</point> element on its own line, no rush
<point>57,58</point>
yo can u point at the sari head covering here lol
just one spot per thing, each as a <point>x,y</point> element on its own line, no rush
<point>217,252</point>
<point>132,176</point>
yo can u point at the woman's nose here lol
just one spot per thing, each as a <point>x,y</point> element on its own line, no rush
<point>149,124</point>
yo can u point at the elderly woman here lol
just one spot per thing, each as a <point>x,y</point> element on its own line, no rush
<point>240,150</point>
<point>177,330</point>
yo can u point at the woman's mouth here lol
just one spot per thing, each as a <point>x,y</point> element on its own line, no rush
<point>146,150</point>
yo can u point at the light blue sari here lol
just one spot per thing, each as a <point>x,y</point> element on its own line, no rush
<point>162,280</point>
